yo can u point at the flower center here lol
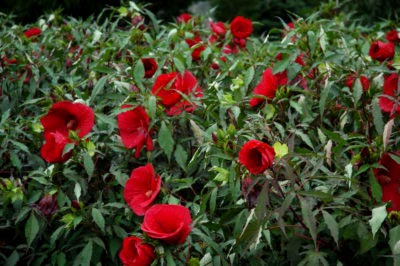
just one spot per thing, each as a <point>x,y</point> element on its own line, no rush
<point>149,193</point>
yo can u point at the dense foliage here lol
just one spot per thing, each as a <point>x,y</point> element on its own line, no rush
<point>197,143</point>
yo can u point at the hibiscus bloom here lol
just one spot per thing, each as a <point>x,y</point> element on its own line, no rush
<point>32,32</point>
<point>381,51</point>
<point>184,18</point>
<point>363,79</point>
<point>53,148</point>
<point>256,156</point>
<point>168,223</point>
<point>393,36</point>
<point>142,188</point>
<point>389,101</point>
<point>150,67</point>
<point>170,87</point>
<point>267,88</point>
<point>136,253</point>
<point>389,179</point>
<point>65,116</point>
<point>241,27</point>
<point>196,54</point>
<point>134,129</point>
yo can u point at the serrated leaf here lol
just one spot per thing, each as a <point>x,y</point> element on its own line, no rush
<point>280,149</point>
<point>357,91</point>
<point>138,73</point>
<point>77,191</point>
<point>179,65</point>
<point>98,219</point>
<point>377,116</point>
<point>31,228</point>
<point>98,87</point>
<point>166,140</point>
<point>378,217</point>
<point>309,219</point>
<point>54,236</point>
<point>305,138</point>
<point>85,256</point>
<point>88,164</point>
<point>181,156</point>
<point>332,226</point>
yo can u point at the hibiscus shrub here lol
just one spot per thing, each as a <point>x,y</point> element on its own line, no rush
<point>127,141</point>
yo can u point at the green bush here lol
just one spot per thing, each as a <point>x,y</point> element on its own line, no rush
<point>321,197</point>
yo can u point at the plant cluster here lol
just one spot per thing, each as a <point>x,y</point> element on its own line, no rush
<point>124,140</point>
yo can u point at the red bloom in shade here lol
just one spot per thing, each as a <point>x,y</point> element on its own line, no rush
<point>241,27</point>
<point>32,32</point>
<point>218,28</point>
<point>229,49</point>
<point>169,89</point>
<point>134,129</point>
<point>150,67</point>
<point>196,54</point>
<point>256,156</point>
<point>389,180</point>
<point>393,36</point>
<point>381,51</point>
<point>267,88</point>
<point>142,188</point>
<point>184,18</point>
<point>363,79</point>
<point>389,100</point>
<point>168,223</point>
<point>64,116</point>
<point>136,253</point>
<point>47,205</point>
<point>391,171</point>
<point>53,148</point>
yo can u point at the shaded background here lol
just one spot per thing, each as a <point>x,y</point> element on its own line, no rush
<point>264,11</point>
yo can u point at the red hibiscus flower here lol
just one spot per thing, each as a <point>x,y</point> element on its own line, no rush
<point>218,28</point>
<point>267,88</point>
<point>150,67</point>
<point>47,205</point>
<point>53,148</point>
<point>134,129</point>
<point>32,32</point>
<point>381,51</point>
<point>196,54</point>
<point>169,89</point>
<point>389,100</point>
<point>168,223</point>
<point>184,18</point>
<point>256,156</point>
<point>142,188</point>
<point>65,116</point>
<point>389,179</point>
<point>136,253</point>
<point>391,171</point>
<point>241,27</point>
<point>363,79</point>
<point>393,36</point>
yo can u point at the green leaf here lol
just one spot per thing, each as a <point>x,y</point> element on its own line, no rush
<point>88,164</point>
<point>378,217</point>
<point>394,242</point>
<point>98,219</point>
<point>54,236</point>
<point>98,87</point>
<point>165,140</point>
<point>181,156</point>
<point>280,149</point>
<point>85,256</point>
<point>248,76</point>
<point>77,191</point>
<point>324,96</point>
<point>332,226</point>
<point>67,148</point>
<point>179,65</point>
<point>376,188</point>
<point>31,228</point>
<point>13,259</point>
<point>377,116</point>
<point>305,138</point>
<point>357,91</point>
<point>138,73</point>
<point>309,219</point>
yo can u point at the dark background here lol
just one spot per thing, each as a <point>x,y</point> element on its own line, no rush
<point>264,11</point>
